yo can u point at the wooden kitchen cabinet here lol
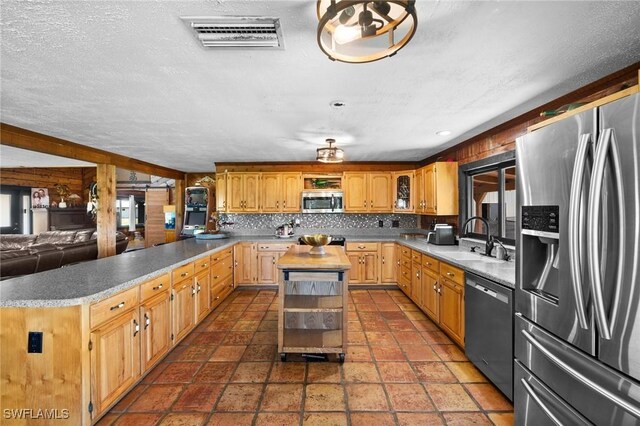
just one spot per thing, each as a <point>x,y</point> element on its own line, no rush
<point>439,189</point>
<point>245,264</point>
<point>416,283</point>
<point>243,192</point>
<point>388,264</point>
<point>364,262</point>
<point>221,192</point>
<point>403,191</point>
<point>115,359</point>
<point>221,283</point>
<point>203,289</point>
<point>183,308</point>
<point>155,315</point>
<point>268,255</point>
<point>367,192</point>
<point>452,309</point>
<point>430,294</point>
<point>280,192</point>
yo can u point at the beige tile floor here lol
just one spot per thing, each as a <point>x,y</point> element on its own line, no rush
<point>399,370</point>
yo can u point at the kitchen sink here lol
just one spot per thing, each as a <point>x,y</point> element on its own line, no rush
<point>473,257</point>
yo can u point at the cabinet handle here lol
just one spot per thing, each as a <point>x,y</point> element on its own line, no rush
<point>157,287</point>
<point>193,291</point>
<point>184,274</point>
<point>383,259</point>
<point>204,265</point>
<point>277,204</point>
<point>371,203</point>
<point>136,327</point>
<point>217,297</point>
<point>224,204</point>
<point>435,287</point>
<point>118,306</point>
<point>215,277</point>
<point>273,261</point>
<point>231,285</point>
<point>147,321</point>
<point>428,263</point>
<point>199,288</point>
<point>361,247</point>
<point>417,274</point>
<point>284,204</point>
<point>365,203</point>
<point>450,274</point>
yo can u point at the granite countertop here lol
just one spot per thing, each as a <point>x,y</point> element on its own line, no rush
<point>92,281</point>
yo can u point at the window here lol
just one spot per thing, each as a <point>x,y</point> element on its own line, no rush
<point>124,213</point>
<point>489,191</point>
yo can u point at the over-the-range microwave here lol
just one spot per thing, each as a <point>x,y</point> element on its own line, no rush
<point>322,202</point>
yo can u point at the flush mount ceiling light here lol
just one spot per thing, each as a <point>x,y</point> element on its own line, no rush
<point>330,154</point>
<point>364,31</point>
<point>443,133</point>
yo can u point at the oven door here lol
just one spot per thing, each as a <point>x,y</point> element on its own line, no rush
<point>322,202</point>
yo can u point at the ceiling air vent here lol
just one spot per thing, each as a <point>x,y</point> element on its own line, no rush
<point>236,31</point>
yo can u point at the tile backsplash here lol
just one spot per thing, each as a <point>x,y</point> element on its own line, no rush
<point>345,224</point>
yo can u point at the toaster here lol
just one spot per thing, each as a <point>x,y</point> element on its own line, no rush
<point>442,235</point>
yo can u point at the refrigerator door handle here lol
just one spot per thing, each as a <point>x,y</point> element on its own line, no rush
<point>606,142</point>
<point>576,219</point>
<point>532,393</point>
<point>576,375</point>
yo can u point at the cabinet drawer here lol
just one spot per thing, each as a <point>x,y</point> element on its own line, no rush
<point>222,269</point>
<point>416,256</point>
<point>220,290</point>
<point>431,263</point>
<point>154,286</point>
<point>355,246</point>
<point>452,273</point>
<point>405,262</point>
<point>221,254</point>
<point>103,311</point>
<point>405,251</point>
<point>274,246</point>
<point>405,274</point>
<point>202,264</point>
<point>182,272</point>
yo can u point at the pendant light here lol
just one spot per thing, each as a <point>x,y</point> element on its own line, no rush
<point>364,31</point>
<point>330,154</point>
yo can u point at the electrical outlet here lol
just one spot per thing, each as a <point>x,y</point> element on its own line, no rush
<point>380,224</point>
<point>34,344</point>
<point>395,223</point>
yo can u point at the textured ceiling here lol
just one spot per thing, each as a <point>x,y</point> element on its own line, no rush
<point>129,77</point>
<point>16,157</point>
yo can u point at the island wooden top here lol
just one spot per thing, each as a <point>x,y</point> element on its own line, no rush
<point>298,257</point>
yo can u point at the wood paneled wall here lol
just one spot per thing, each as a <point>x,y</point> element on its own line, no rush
<point>76,178</point>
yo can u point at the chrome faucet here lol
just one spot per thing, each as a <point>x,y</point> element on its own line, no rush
<point>488,248</point>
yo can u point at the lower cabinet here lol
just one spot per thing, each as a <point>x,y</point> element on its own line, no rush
<point>430,302</point>
<point>267,258</point>
<point>364,262</point>
<point>245,264</point>
<point>452,309</point>
<point>184,303</point>
<point>388,265</point>
<point>155,315</point>
<point>115,359</point>
<point>203,289</point>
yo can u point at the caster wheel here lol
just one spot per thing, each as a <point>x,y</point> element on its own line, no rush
<point>283,357</point>
<point>341,358</point>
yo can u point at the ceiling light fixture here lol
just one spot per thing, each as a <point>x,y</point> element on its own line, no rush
<point>358,31</point>
<point>330,154</point>
<point>443,133</point>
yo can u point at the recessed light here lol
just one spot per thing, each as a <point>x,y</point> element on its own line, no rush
<point>337,104</point>
<point>443,133</point>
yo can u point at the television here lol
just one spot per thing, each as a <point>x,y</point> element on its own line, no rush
<point>196,218</point>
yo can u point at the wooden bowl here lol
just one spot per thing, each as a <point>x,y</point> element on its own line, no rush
<point>317,242</point>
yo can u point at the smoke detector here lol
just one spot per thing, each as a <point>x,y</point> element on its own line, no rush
<point>236,31</point>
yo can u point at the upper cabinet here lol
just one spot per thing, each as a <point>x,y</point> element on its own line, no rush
<point>243,192</point>
<point>437,189</point>
<point>221,192</point>
<point>404,192</point>
<point>367,192</point>
<point>280,192</point>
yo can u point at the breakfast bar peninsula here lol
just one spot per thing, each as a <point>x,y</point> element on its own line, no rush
<point>313,294</point>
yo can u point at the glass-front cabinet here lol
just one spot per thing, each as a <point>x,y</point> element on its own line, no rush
<point>404,192</point>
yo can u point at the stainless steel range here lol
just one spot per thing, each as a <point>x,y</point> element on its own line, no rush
<point>577,326</point>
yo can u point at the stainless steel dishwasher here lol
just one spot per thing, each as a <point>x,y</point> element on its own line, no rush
<point>489,330</point>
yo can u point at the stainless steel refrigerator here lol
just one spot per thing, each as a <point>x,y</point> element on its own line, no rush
<point>577,325</point>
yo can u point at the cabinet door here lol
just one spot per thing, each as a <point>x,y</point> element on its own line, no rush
<point>202,285</point>
<point>369,268</point>
<point>403,192</point>
<point>245,271</point>
<point>267,270</point>
<point>221,192</point>
<point>355,275</point>
<point>355,192</point>
<point>291,192</point>
<point>183,309</point>
<point>388,265</point>
<point>270,192</point>
<point>156,329</point>
<point>430,193</point>
<point>115,359</point>
<point>452,309</point>
<point>235,193</point>
<point>430,295</point>
<point>419,197</point>
<point>416,283</point>
<point>251,183</point>
<point>379,189</point>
